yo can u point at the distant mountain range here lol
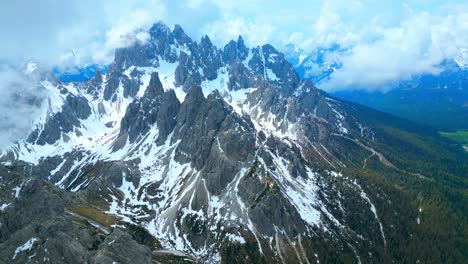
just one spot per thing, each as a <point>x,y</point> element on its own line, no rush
<point>317,65</point>
<point>439,100</point>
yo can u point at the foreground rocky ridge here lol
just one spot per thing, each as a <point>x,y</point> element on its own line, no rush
<point>41,223</point>
<point>224,154</point>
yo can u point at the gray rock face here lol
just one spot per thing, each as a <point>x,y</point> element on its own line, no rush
<point>200,63</point>
<point>42,224</point>
<point>163,38</point>
<point>75,108</point>
<point>121,248</point>
<point>156,106</point>
<point>181,37</point>
<point>116,78</point>
<point>160,46</point>
<point>235,51</point>
<point>189,110</point>
<point>199,124</point>
<point>113,82</point>
<point>213,126</point>
<point>241,77</point>
<point>187,73</point>
<point>210,58</point>
<point>94,86</point>
<point>198,138</point>
<point>271,64</point>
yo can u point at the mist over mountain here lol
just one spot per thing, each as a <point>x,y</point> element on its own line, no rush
<point>23,101</point>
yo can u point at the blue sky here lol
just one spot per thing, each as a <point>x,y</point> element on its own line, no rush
<point>390,39</point>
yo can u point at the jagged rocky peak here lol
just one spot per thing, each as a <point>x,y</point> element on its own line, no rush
<point>241,45</point>
<point>235,66</point>
<point>75,108</point>
<point>98,76</point>
<point>194,96</point>
<point>206,42</point>
<point>235,51</point>
<point>189,108</point>
<point>180,36</point>
<point>269,63</point>
<point>93,87</point>
<point>159,28</point>
<point>154,87</point>
<point>156,106</point>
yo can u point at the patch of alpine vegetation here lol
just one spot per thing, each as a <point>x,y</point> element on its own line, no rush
<point>186,152</point>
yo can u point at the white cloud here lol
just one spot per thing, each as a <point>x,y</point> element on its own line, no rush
<point>416,46</point>
<point>20,104</point>
<point>254,33</point>
<point>128,30</point>
<point>72,32</point>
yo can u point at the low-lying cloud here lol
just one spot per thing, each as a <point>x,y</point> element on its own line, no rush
<point>75,32</point>
<point>415,47</point>
<point>21,103</point>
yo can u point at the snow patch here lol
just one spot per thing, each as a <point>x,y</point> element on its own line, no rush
<point>25,247</point>
<point>374,211</point>
<point>235,238</point>
<point>271,75</point>
<point>4,206</point>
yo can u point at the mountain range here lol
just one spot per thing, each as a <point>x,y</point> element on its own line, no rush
<point>185,152</point>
